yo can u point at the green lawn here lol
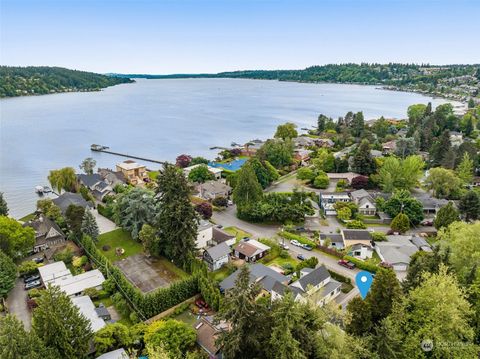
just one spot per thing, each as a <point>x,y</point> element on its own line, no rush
<point>153,175</point>
<point>219,274</point>
<point>28,217</point>
<point>237,232</point>
<point>118,238</point>
<point>279,261</point>
<point>163,262</point>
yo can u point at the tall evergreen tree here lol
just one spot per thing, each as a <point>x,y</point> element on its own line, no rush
<point>8,274</point>
<point>16,343</point>
<point>248,190</point>
<point>383,294</point>
<point>177,220</point>
<point>363,163</point>
<point>59,324</point>
<point>321,123</point>
<point>440,149</point>
<point>246,317</point>
<point>358,124</point>
<point>89,225</point>
<point>3,206</point>
<point>469,206</point>
<point>446,215</point>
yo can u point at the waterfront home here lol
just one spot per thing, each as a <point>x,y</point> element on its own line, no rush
<point>113,178</point>
<point>324,142</point>
<point>364,201</point>
<point>58,274</point>
<point>214,189</point>
<point>47,233</point>
<point>217,256</point>
<point>215,171</point>
<point>67,199</point>
<point>133,172</point>
<point>97,186</point>
<point>204,234</point>
<point>314,286</point>
<point>328,199</point>
<point>356,236</point>
<point>250,250</point>
<point>265,276</point>
<point>251,147</point>
<point>302,154</point>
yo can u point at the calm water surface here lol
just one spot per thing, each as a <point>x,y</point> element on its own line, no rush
<point>160,119</point>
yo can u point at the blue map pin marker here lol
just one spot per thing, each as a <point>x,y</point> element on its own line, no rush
<point>364,282</point>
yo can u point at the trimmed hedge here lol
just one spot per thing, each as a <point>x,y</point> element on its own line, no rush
<point>361,264</point>
<point>301,239</point>
<point>150,304</point>
<point>339,277</point>
<point>331,251</point>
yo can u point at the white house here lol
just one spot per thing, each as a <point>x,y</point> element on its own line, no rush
<point>361,251</point>
<point>205,234</point>
<point>328,200</point>
<point>217,172</point>
<point>87,308</point>
<point>396,251</point>
<point>314,285</point>
<point>364,201</point>
<point>57,274</point>
<point>217,256</point>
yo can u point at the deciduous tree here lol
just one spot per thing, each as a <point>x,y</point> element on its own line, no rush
<point>402,202</point>
<point>443,182</point>
<point>175,336</point>
<point>200,174</point>
<point>88,165</point>
<point>401,223</point>
<point>8,274</point>
<point>63,179</point>
<point>183,161</point>
<point>446,216</point>
<point>15,241</point>
<point>465,169</point>
<point>287,130</point>
<point>248,190</point>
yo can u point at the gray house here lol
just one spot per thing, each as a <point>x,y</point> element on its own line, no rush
<point>217,256</point>
<point>68,198</point>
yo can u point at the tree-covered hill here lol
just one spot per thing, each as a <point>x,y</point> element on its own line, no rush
<point>41,80</point>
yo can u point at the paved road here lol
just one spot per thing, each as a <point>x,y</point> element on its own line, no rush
<point>228,218</point>
<point>17,304</point>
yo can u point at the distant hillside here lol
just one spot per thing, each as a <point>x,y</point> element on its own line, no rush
<point>455,81</point>
<point>33,80</point>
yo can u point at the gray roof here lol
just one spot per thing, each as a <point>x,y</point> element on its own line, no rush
<point>314,277</point>
<point>89,180</point>
<point>330,287</point>
<point>204,225</point>
<point>356,234</point>
<point>431,203</point>
<point>68,198</point>
<point>257,271</point>
<point>359,194</point>
<point>398,249</point>
<point>334,237</point>
<point>219,235</point>
<point>115,354</point>
<point>420,242</point>
<point>218,251</point>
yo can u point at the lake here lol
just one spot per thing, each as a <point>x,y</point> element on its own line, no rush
<point>160,119</point>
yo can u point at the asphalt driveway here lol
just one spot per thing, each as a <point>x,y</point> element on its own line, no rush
<point>17,304</point>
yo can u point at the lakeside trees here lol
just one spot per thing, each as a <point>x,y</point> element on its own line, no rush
<point>63,179</point>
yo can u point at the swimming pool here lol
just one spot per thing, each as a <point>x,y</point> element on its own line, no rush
<point>234,165</point>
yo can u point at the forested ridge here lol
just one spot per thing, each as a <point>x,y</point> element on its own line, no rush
<point>41,80</point>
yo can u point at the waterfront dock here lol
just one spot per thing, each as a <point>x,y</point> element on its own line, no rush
<point>104,149</point>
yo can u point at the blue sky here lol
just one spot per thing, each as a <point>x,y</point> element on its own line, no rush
<point>192,36</point>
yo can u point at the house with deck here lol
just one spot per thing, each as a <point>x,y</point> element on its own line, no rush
<point>47,233</point>
<point>134,173</point>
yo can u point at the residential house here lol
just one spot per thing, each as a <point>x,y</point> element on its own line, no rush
<point>217,256</point>
<point>315,286</point>
<point>356,236</point>
<point>220,236</point>
<point>421,244</point>
<point>204,235</point>
<point>328,200</point>
<point>96,184</point>
<point>88,310</point>
<point>324,142</point>
<point>364,201</point>
<point>265,276</point>
<point>303,142</point>
<point>396,251</point>
<point>133,172</point>
<point>431,205</point>
<point>207,335</point>
<point>68,198</point>
<point>456,138</point>
<point>113,178</point>
<point>389,147</point>
<point>251,147</point>
<point>57,274</point>
<point>250,250</point>
<point>361,251</point>
<point>346,176</point>
<point>47,233</point>
<point>214,189</point>
<point>215,171</point>
<point>335,240</point>
<point>302,154</point>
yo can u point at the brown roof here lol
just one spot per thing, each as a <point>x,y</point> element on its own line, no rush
<point>246,249</point>
<point>220,235</point>
<point>206,336</point>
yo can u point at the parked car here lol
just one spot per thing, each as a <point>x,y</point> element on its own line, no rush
<point>38,259</point>
<point>346,264</point>
<point>31,278</point>
<point>300,229</point>
<point>301,257</point>
<point>307,247</point>
<point>284,246</point>
<point>295,243</point>
<point>219,226</point>
<point>34,284</point>
<point>427,222</point>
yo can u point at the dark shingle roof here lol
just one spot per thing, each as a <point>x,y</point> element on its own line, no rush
<point>218,251</point>
<point>220,235</point>
<point>257,271</point>
<point>315,277</point>
<point>89,180</point>
<point>334,237</point>
<point>68,198</point>
<point>356,234</point>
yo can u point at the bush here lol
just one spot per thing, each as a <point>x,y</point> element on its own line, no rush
<point>356,225</point>
<point>284,254</point>
<point>205,210</point>
<point>27,268</point>
<point>339,277</point>
<point>321,181</point>
<point>92,292</point>
<point>361,264</point>
<point>401,223</point>
<point>106,211</point>
<point>220,202</point>
<point>65,255</point>
<point>378,236</point>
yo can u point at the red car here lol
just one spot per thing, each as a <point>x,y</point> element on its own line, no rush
<point>346,264</point>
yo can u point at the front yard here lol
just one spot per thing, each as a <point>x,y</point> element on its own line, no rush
<point>237,232</point>
<point>119,238</point>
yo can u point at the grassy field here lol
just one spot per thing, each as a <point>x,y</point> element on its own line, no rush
<point>219,274</point>
<point>237,232</point>
<point>118,238</point>
<point>279,261</point>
